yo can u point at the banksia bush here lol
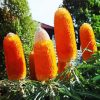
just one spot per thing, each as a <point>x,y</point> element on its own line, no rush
<point>44,56</point>
<point>32,66</point>
<point>64,36</point>
<point>87,39</point>
<point>14,57</point>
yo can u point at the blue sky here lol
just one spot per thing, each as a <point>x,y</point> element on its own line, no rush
<point>43,10</point>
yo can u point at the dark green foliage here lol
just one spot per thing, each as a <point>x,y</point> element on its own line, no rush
<point>17,19</point>
<point>85,11</point>
<point>83,84</point>
<point>2,66</point>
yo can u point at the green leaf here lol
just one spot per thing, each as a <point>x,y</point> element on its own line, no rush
<point>96,78</point>
<point>89,94</point>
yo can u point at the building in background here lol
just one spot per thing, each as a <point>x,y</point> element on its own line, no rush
<point>43,12</point>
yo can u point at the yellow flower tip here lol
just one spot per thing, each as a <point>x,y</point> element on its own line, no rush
<point>86,26</point>
<point>41,35</point>
<point>61,10</point>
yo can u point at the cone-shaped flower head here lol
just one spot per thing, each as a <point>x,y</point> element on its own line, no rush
<point>14,57</point>
<point>64,36</point>
<point>87,39</point>
<point>44,56</point>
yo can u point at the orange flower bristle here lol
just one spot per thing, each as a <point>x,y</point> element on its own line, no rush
<point>44,56</point>
<point>87,40</point>
<point>65,38</point>
<point>14,57</point>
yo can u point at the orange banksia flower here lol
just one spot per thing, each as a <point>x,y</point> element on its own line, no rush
<point>14,57</point>
<point>44,56</point>
<point>32,66</point>
<point>87,39</point>
<point>64,36</point>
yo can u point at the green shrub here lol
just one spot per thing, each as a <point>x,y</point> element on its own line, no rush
<point>83,84</point>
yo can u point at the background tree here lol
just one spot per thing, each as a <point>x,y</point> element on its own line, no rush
<point>85,11</point>
<point>15,17</point>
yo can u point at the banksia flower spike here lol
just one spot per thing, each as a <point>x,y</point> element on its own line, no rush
<point>32,66</point>
<point>87,39</point>
<point>14,57</point>
<point>64,36</point>
<point>44,56</point>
